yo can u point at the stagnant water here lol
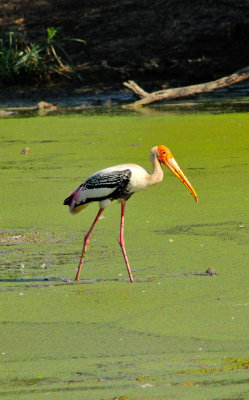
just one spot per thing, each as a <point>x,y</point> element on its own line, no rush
<point>174,333</point>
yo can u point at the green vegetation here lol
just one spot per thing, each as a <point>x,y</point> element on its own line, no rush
<point>174,333</point>
<point>22,58</point>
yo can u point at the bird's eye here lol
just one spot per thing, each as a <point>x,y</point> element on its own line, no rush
<point>164,152</point>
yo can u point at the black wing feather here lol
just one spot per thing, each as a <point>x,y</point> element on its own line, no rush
<point>118,180</point>
<point>108,180</point>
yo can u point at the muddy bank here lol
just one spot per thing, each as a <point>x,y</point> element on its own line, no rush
<point>92,96</point>
<point>65,96</point>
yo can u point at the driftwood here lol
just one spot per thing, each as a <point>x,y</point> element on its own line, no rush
<point>185,91</point>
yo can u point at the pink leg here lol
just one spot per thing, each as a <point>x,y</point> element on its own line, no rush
<point>86,241</point>
<point>121,240</point>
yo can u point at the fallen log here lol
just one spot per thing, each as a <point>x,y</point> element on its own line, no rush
<point>185,91</point>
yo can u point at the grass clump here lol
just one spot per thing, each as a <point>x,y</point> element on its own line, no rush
<point>44,58</point>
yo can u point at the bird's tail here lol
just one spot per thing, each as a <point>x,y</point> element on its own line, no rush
<point>73,201</point>
<point>68,200</point>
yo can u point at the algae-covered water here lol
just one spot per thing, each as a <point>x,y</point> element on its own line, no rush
<point>175,333</point>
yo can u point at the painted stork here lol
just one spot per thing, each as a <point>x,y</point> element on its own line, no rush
<point>120,183</point>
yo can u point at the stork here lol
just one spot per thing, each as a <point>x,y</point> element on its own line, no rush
<point>120,183</point>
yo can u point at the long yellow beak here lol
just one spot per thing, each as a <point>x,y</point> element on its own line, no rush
<point>174,167</point>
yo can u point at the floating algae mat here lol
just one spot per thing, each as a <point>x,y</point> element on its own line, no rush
<point>176,332</point>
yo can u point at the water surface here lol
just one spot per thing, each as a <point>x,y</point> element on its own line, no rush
<point>175,333</point>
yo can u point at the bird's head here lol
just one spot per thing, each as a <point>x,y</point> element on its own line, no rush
<point>165,156</point>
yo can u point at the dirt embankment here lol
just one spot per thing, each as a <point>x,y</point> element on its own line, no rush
<point>175,42</point>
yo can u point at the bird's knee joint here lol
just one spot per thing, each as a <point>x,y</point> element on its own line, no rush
<point>121,242</point>
<point>86,240</point>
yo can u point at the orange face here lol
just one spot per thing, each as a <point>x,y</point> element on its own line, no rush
<point>164,153</point>
<point>165,156</point>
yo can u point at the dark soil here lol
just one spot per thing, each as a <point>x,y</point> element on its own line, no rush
<point>171,42</point>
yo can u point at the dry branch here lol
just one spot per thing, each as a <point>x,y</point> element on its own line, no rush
<point>185,91</point>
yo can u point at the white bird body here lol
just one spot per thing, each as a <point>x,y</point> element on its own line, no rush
<point>120,183</point>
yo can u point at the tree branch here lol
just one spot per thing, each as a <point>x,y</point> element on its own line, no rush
<point>136,89</point>
<point>185,91</point>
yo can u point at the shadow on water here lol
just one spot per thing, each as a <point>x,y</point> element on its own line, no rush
<point>230,230</point>
<point>25,280</point>
<point>63,281</point>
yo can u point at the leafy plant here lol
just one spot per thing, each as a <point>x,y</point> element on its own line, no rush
<point>53,43</point>
<point>23,59</point>
<point>16,55</point>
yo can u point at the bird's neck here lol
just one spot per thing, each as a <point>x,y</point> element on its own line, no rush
<point>157,172</point>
